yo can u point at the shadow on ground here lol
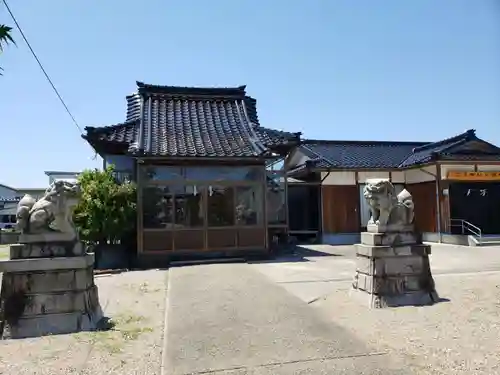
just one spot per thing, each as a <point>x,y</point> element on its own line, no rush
<point>296,253</point>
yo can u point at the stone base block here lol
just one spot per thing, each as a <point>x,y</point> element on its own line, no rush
<point>420,298</point>
<point>46,250</point>
<point>391,228</point>
<point>53,324</point>
<point>394,285</point>
<point>59,303</point>
<point>47,237</point>
<point>391,251</point>
<point>392,266</point>
<point>42,296</point>
<point>55,281</point>
<point>46,264</point>
<point>393,275</point>
<point>390,239</point>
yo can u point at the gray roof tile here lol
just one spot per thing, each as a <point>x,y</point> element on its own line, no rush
<point>192,122</point>
<point>387,154</point>
<point>359,154</point>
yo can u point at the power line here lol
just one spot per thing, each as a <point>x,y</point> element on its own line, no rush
<point>42,68</point>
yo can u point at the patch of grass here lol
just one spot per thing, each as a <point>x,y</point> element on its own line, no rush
<point>145,288</point>
<point>134,333</point>
<point>142,288</point>
<point>125,327</point>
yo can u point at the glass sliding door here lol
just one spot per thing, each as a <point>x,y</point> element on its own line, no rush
<point>203,208</point>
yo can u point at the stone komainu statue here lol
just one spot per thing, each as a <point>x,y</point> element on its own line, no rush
<point>50,214</point>
<point>387,208</point>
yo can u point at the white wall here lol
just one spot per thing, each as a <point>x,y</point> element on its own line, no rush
<point>339,178</point>
<point>488,168</point>
<point>366,175</point>
<point>414,176</point>
<point>398,177</point>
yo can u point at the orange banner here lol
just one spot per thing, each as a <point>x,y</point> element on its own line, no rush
<point>474,176</point>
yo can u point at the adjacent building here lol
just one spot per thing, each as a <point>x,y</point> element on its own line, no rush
<point>61,175</point>
<point>203,166</point>
<point>455,184</point>
<point>9,198</point>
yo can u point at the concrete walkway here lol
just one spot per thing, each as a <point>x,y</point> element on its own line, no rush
<point>230,319</point>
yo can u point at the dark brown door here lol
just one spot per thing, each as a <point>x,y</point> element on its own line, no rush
<point>340,209</point>
<point>424,197</point>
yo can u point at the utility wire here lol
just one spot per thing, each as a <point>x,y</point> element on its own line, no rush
<point>42,68</point>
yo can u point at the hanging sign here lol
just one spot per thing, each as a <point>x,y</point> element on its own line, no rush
<point>474,176</point>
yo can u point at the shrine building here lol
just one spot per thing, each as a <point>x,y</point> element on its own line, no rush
<point>455,184</point>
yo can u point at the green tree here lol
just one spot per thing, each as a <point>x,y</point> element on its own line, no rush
<point>106,213</point>
<point>5,38</point>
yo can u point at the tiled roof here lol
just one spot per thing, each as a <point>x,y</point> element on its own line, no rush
<point>381,154</point>
<point>192,122</point>
<point>425,153</point>
<point>10,199</point>
<point>358,154</point>
<point>126,133</point>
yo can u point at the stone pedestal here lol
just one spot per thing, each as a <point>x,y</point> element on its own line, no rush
<point>48,288</point>
<point>392,269</point>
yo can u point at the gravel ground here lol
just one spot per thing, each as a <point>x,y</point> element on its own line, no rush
<point>456,336</point>
<point>135,301</point>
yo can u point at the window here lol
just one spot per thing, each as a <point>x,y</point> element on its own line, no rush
<point>157,207</point>
<point>160,173</point>
<point>123,176</point>
<point>249,204</point>
<point>189,207</point>
<point>223,173</point>
<point>276,202</point>
<point>220,206</point>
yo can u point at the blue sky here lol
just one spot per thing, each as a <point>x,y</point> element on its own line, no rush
<point>332,69</point>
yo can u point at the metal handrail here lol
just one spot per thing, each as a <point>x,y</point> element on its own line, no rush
<point>467,227</point>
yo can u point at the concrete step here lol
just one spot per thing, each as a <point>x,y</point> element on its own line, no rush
<point>491,239</point>
<point>485,241</point>
<point>489,243</point>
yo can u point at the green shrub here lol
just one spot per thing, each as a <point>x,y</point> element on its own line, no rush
<point>107,210</point>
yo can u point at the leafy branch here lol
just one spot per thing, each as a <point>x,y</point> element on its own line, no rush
<point>5,38</point>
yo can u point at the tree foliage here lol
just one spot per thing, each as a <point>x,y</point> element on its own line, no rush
<point>5,38</point>
<point>107,211</point>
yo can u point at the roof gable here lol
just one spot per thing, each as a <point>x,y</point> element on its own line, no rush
<point>358,154</point>
<point>193,92</point>
<point>386,154</point>
<point>434,150</point>
<point>175,121</point>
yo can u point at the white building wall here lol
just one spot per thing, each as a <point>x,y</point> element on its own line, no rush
<point>416,175</point>
<point>398,177</point>
<point>339,178</point>
<point>488,168</point>
<point>410,176</point>
<point>367,175</point>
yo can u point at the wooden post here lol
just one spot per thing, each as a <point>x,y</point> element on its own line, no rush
<point>140,224</point>
<point>264,208</point>
<point>438,200</point>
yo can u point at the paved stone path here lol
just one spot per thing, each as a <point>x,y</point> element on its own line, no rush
<point>229,319</point>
